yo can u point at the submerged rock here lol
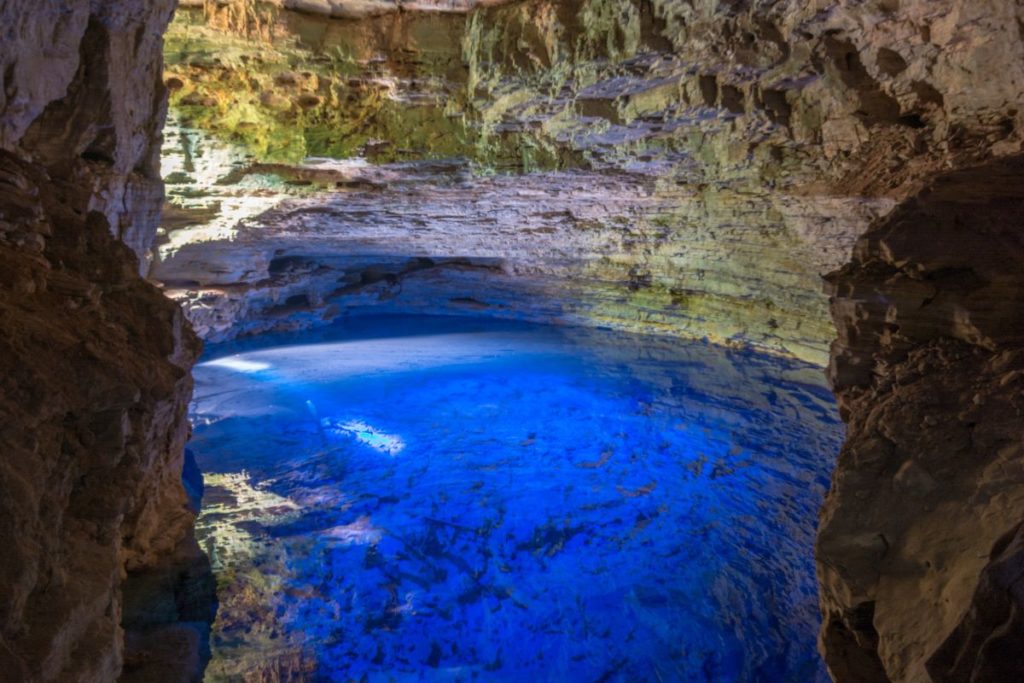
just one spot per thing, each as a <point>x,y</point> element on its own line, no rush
<point>654,165</point>
<point>487,547</point>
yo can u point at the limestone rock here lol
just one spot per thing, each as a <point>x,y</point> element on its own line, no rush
<point>346,9</point>
<point>985,645</point>
<point>548,246</point>
<point>90,103</point>
<point>94,362</point>
<point>928,371</point>
<point>745,148</point>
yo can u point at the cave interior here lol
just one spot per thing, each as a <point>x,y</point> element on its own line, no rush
<point>596,340</point>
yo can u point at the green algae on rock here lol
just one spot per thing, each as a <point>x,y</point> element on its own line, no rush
<point>759,140</point>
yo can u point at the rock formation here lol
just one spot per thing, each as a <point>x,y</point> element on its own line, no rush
<point>344,9</point>
<point>929,490</point>
<point>94,361</point>
<point>769,129</point>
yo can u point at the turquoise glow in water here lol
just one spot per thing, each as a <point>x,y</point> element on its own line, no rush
<point>442,499</point>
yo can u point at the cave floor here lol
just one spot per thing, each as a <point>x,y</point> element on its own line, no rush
<point>430,498</point>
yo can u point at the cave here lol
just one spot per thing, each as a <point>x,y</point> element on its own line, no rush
<point>497,340</point>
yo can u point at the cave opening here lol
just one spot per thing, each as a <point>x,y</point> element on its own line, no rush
<point>471,494</point>
<point>452,417</point>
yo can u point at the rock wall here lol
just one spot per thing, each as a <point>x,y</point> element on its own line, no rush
<point>563,246</point>
<point>86,106</point>
<point>745,146</point>
<point>94,361</point>
<point>919,574</point>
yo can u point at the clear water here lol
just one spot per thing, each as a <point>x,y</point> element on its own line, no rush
<point>450,500</point>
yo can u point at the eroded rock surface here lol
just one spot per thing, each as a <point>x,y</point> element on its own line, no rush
<point>559,246</point>
<point>985,644</point>
<point>929,370</point>
<point>745,149</point>
<point>342,9</point>
<point>79,97</point>
<point>94,362</point>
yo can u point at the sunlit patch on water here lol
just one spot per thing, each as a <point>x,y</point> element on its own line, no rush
<point>364,433</point>
<point>232,507</point>
<point>240,364</point>
<point>554,505</point>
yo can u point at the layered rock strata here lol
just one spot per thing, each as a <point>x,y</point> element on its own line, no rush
<point>94,361</point>
<point>745,147</point>
<point>560,246</point>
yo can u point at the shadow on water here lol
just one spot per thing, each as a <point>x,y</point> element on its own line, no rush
<point>448,499</point>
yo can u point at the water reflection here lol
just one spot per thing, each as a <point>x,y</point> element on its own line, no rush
<point>443,499</point>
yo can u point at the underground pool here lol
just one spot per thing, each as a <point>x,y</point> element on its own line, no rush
<point>429,498</point>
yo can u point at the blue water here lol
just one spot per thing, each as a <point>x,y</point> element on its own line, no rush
<point>449,500</point>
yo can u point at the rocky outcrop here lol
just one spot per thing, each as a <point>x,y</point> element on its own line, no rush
<point>746,147</point>
<point>918,571</point>
<point>87,106</point>
<point>94,361</point>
